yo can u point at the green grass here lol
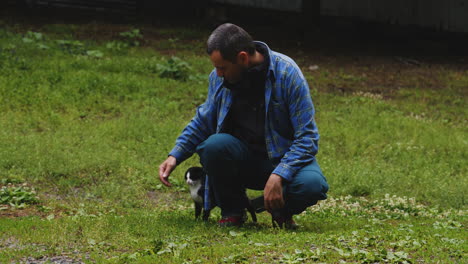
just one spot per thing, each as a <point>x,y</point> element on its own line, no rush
<point>390,230</point>
<point>88,132</point>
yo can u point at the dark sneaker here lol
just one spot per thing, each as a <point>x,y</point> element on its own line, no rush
<point>285,222</point>
<point>235,220</point>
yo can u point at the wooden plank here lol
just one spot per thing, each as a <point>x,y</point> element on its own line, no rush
<point>330,7</point>
<point>96,2</point>
<point>115,5</point>
<point>360,8</point>
<point>449,15</point>
<point>458,20</point>
<point>311,13</point>
<point>290,5</point>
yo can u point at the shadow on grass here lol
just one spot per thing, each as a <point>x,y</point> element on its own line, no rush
<point>184,221</point>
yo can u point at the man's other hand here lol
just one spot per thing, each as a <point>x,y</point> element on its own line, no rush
<point>274,193</point>
<point>165,170</point>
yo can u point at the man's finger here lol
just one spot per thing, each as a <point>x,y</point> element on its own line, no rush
<point>267,205</point>
<point>268,208</point>
<point>166,182</point>
<point>161,170</point>
<point>270,205</point>
<point>164,175</point>
<point>276,204</point>
<point>280,202</point>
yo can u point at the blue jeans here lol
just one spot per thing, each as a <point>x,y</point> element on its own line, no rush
<point>232,168</point>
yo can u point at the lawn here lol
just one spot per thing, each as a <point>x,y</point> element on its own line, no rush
<point>89,111</point>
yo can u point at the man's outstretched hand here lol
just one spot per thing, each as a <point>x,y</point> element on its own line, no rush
<point>165,170</point>
<point>274,193</point>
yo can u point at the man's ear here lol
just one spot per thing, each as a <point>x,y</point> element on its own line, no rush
<point>243,58</point>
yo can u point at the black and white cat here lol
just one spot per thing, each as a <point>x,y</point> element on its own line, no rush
<point>195,178</point>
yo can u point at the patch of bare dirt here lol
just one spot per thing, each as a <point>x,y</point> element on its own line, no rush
<point>9,212</point>
<point>167,199</point>
<point>52,260</point>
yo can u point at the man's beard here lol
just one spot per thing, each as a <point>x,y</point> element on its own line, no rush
<point>240,83</point>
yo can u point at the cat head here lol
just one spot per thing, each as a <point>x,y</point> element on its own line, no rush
<point>194,175</point>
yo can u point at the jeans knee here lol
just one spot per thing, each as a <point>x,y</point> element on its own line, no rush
<point>213,145</point>
<point>311,186</point>
<point>316,187</point>
<point>220,147</point>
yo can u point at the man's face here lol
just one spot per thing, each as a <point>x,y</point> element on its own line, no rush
<point>232,72</point>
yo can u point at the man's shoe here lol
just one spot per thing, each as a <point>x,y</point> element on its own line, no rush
<point>283,221</point>
<point>236,220</point>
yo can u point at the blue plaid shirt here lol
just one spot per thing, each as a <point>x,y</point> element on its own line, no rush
<point>291,134</point>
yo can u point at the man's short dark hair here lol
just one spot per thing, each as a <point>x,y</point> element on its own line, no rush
<point>230,39</point>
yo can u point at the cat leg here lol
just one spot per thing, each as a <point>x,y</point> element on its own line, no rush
<point>252,212</point>
<point>198,209</point>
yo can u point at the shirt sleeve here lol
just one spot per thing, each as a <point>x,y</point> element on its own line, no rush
<point>306,136</point>
<point>202,125</point>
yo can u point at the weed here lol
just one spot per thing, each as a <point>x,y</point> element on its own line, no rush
<point>297,257</point>
<point>116,45</point>
<point>236,258</point>
<point>72,46</point>
<point>128,39</point>
<point>17,196</point>
<point>95,53</point>
<point>33,37</point>
<point>174,68</point>
<point>132,37</point>
<point>173,249</point>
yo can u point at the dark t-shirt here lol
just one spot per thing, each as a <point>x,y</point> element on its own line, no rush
<point>246,117</point>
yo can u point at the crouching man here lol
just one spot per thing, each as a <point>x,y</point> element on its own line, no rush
<point>256,130</point>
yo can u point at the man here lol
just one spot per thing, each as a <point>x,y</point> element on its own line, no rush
<point>255,130</point>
